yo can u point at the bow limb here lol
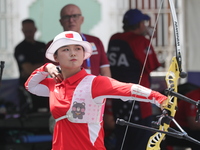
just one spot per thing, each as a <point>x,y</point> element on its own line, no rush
<point>173,74</point>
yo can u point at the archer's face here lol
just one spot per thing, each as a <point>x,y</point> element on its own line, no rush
<point>70,56</point>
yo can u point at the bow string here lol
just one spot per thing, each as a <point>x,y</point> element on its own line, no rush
<point>118,121</point>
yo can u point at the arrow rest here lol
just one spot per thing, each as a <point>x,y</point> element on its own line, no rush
<point>164,118</point>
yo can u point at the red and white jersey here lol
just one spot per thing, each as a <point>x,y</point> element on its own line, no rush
<point>81,136</point>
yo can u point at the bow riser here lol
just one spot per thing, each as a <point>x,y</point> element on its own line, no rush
<point>171,80</point>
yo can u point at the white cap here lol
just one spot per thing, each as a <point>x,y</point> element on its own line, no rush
<point>68,38</point>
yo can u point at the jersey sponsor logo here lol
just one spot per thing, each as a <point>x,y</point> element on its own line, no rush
<point>118,61</point>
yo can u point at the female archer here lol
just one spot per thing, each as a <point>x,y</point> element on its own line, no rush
<point>77,99</point>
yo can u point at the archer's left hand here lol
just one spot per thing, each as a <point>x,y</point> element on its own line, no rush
<point>163,104</point>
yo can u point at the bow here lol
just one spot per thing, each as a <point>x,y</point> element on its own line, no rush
<point>168,113</point>
<point>172,76</point>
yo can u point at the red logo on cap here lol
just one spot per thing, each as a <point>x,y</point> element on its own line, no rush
<point>70,35</point>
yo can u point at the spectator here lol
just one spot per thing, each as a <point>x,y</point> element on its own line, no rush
<point>77,99</point>
<point>30,54</point>
<point>126,53</point>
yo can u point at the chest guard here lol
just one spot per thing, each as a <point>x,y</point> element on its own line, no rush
<point>83,109</point>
